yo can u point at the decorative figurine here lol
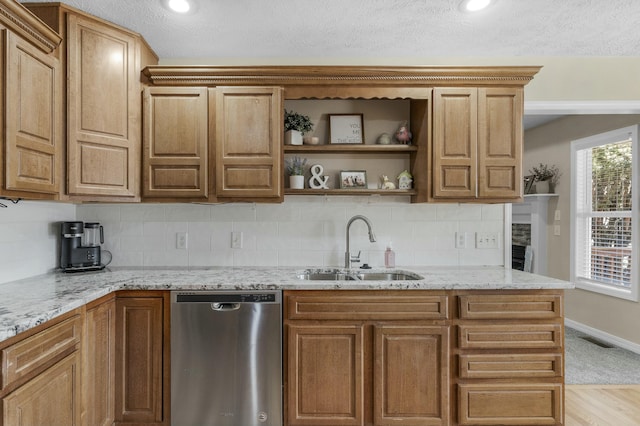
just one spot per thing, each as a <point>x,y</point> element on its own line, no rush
<point>384,139</point>
<point>403,135</point>
<point>317,181</point>
<point>405,180</point>
<point>386,183</point>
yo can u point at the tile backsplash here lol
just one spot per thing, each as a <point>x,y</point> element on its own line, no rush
<point>29,239</point>
<point>302,231</point>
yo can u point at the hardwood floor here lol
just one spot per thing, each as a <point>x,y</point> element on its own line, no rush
<point>602,405</point>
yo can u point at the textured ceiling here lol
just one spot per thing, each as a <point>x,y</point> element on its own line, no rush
<point>378,28</point>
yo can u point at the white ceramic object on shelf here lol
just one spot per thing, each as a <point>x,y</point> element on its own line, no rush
<point>296,182</point>
<point>292,137</point>
<point>542,187</point>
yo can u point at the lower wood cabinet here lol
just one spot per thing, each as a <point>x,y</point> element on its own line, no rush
<point>41,383</point>
<point>99,362</point>
<point>419,357</point>
<point>51,398</point>
<point>510,358</point>
<point>365,370</point>
<point>141,364</point>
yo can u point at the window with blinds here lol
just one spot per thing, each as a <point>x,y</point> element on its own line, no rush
<point>604,216</point>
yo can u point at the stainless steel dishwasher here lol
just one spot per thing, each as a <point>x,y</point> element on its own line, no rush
<point>226,358</point>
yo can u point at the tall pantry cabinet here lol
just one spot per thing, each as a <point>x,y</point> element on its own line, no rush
<point>31,143</point>
<point>101,65</point>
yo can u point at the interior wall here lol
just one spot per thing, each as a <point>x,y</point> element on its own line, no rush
<point>551,144</point>
<point>30,231</point>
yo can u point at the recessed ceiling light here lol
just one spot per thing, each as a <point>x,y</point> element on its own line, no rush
<point>180,6</point>
<point>474,5</point>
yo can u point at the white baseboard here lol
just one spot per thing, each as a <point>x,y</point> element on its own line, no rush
<point>605,337</point>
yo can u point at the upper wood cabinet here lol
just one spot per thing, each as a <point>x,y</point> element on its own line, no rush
<point>30,142</point>
<point>466,123</point>
<point>33,142</point>
<point>103,102</point>
<point>175,163</point>
<point>248,128</point>
<point>477,144</point>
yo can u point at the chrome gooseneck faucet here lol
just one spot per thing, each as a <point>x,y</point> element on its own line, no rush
<point>347,255</point>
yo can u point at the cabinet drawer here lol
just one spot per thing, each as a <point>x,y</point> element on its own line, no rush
<point>367,306</point>
<point>510,336</point>
<point>510,404</point>
<point>499,366</point>
<point>533,306</point>
<point>24,357</point>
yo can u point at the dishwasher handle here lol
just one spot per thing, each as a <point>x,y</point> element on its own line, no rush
<point>222,307</point>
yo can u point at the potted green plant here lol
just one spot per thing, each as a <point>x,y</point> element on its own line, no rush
<point>545,178</point>
<point>294,167</point>
<point>295,126</point>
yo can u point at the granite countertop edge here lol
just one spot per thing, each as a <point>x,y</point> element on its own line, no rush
<point>32,301</point>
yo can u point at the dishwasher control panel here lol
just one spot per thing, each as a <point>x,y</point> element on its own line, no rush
<point>203,297</point>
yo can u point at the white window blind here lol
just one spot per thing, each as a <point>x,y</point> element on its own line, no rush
<point>603,231</point>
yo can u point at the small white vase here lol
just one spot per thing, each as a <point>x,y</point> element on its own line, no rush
<point>542,187</point>
<point>296,182</point>
<point>292,137</point>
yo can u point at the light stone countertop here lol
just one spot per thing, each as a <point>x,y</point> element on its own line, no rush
<point>32,301</point>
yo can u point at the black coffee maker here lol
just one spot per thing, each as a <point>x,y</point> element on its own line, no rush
<point>80,246</point>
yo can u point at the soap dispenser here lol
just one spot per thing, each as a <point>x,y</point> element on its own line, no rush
<point>389,257</point>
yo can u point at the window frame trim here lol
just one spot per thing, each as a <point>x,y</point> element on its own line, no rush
<point>590,142</point>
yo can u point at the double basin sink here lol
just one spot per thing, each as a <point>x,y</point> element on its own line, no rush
<point>357,275</point>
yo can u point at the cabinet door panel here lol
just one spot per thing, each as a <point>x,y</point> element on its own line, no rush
<point>175,141</point>
<point>498,366</point>
<point>500,140</point>
<point>51,398</point>
<point>325,375</point>
<point>532,306</point>
<point>411,383</point>
<point>510,336</point>
<point>510,404</point>
<point>99,364</point>
<point>25,357</point>
<point>455,142</point>
<point>32,122</point>
<point>103,125</point>
<point>139,351</point>
<point>249,142</point>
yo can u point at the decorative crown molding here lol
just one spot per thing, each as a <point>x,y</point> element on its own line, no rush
<point>339,75</point>
<point>18,19</point>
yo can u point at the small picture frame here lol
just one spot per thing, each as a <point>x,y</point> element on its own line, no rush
<point>528,184</point>
<point>346,129</point>
<point>353,179</point>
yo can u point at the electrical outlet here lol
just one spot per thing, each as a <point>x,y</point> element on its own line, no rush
<point>461,240</point>
<point>236,240</point>
<point>556,229</point>
<point>556,216</point>
<point>487,240</point>
<point>181,240</point>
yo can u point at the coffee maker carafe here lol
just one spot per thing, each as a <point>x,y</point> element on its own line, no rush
<point>80,246</point>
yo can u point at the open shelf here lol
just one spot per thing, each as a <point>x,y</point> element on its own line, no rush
<point>350,148</point>
<point>288,191</point>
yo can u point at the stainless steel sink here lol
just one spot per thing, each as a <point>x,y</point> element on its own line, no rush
<point>359,275</point>
<point>388,276</point>
<point>326,276</point>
